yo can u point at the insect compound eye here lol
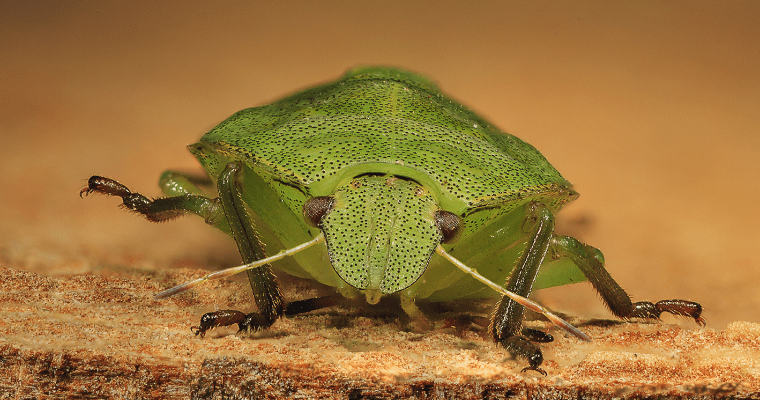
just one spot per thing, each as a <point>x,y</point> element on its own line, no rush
<point>316,208</point>
<point>449,224</point>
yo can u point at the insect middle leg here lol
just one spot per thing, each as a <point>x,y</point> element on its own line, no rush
<point>160,209</point>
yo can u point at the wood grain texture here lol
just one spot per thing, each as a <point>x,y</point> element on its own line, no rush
<point>103,336</point>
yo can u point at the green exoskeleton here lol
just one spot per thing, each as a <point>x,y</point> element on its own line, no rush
<point>378,184</point>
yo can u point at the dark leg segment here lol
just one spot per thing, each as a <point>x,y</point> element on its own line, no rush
<point>463,322</point>
<point>317,303</point>
<point>535,335</point>
<point>506,321</point>
<point>217,318</point>
<point>589,260</point>
<point>256,321</point>
<point>250,322</point>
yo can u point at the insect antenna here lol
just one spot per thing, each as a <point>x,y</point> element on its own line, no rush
<point>529,304</point>
<point>236,270</point>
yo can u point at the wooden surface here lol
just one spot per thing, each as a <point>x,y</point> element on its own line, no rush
<point>649,108</point>
<point>102,335</point>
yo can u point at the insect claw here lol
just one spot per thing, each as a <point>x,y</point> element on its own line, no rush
<point>198,331</point>
<point>85,191</point>
<point>217,318</point>
<point>532,368</point>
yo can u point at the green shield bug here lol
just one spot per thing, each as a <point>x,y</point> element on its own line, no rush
<point>378,184</point>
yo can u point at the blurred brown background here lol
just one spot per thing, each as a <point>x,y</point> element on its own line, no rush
<point>652,110</point>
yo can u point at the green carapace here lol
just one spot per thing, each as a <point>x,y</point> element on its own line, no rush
<point>378,184</point>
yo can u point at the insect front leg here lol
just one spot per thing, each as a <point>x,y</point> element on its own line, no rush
<point>506,320</point>
<point>266,290</point>
<point>591,263</point>
<point>246,322</point>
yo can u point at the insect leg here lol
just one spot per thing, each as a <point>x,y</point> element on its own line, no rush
<point>420,322</point>
<point>177,184</point>
<point>160,209</point>
<point>174,183</point>
<point>185,197</point>
<point>506,321</point>
<point>591,263</point>
<point>255,321</point>
<point>217,318</point>
<point>266,290</point>
<point>316,303</point>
